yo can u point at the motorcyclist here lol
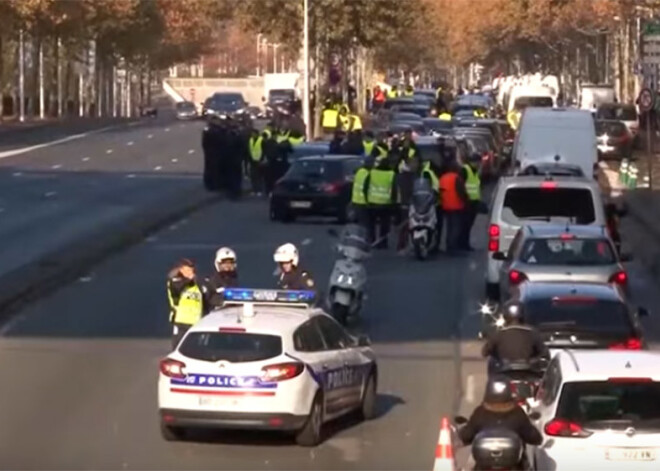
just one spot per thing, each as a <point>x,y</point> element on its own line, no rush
<point>292,276</point>
<point>516,341</point>
<point>499,410</point>
<point>225,276</point>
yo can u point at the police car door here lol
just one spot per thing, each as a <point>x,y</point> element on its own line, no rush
<point>342,380</point>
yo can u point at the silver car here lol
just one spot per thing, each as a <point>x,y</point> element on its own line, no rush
<point>562,253</point>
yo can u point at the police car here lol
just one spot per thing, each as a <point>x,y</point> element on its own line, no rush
<point>266,360</point>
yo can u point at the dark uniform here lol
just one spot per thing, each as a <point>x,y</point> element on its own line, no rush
<point>511,417</point>
<point>212,137</point>
<point>215,285</point>
<point>296,279</point>
<point>515,343</point>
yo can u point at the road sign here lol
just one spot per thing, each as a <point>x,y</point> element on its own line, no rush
<point>651,43</point>
<point>646,100</point>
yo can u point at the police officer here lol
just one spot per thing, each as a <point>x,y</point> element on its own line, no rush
<point>271,153</point>
<point>381,149</point>
<point>470,174</point>
<point>499,409</point>
<point>359,191</point>
<point>368,143</point>
<point>381,196</point>
<point>224,276</point>
<point>186,299</point>
<point>292,276</point>
<point>237,150</point>
<point>211,139</point>
<point>515,342</point>
<point>255,145</point>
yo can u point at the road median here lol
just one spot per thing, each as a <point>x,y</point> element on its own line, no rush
<point>69,262</point>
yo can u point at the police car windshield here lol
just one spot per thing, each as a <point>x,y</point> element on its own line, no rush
<point>229,346</point>
<point>548,204</point>
<point>576,314</point>
<point>576,252</point>
<point>617,404</point>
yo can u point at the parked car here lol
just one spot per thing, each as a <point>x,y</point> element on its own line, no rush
<point>614,140</point>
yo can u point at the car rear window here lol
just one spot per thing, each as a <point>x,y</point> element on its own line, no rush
<point>617,404</point>
<point>316,170</point>
<point>537,101</point>
<point>611,129</point>
<point>623,113</point>
<point>576,252</point>
<point>574,205</point>
<point>232,347</point>
<point>575,313</point>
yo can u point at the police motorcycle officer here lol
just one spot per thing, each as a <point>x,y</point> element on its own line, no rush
<point>292,276</point>
<point>186,299</point>
<point>224,276</point>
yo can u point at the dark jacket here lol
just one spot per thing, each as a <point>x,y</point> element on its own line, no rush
<point>296,279</point>
<point>509,416</point>
<point>215,285</point>
<point>515,343</point>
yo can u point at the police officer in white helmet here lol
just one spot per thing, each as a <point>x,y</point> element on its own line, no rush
<point>224,276</point>
<point>292,276</point>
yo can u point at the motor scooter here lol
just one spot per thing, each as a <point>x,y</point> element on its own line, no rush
<point>422,219</point>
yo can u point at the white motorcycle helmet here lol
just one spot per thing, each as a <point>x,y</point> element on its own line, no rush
<point>223,254</point>
<point>286,253</point>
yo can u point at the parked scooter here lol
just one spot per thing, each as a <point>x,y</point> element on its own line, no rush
<point>422,218</point>
<point>349,276</point>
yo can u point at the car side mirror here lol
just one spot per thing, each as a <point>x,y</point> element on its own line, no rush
<point>363,341</point>
<point>643,312</point>
<point>626,257</point>
<point>460,420</point>
<point>500,256</point>
<point>535,415</point>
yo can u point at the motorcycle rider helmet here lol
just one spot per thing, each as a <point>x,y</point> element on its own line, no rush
<point>513,312</point>
<point>498,391</point>
<point>287,253</point>
<point>224,254</point>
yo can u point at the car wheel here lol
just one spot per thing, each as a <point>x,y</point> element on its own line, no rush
<point>368,409</point>
<point>273,213</point>
<point>311,433</point>
<point>493,291</point>
<point>172,434</point>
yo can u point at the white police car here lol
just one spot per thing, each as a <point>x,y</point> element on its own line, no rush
<point>599,410</point>
<point>267,360</point>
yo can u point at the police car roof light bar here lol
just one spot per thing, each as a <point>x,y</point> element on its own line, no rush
<point>243,296</point>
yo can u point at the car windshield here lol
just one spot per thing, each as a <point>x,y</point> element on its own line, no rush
<point>575,313</point>
<point>232,347</point>
<point>551,204</point>
<point>227,99</point>
<point>185,105</point>
<point>315,170</point>
<point>536,101</point>
<point>620,113</point>
<point>580,252</point>
<point>306,150</point>
<point>477,144</point>
<point>616,404</point>
<point>281,95</point>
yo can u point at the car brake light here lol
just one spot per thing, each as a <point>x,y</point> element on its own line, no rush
<point>173,368</point>
<point>567,236</point>
<point>630,344</point>
<point>565,428</point>
<point>620,278</point>
<point>494,238</point>
<point>281,371</point>
<point>232,329</point>
<point>331,187</point>
<point>548,185</point>
<point>516,277</point>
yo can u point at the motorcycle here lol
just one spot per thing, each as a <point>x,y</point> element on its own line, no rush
<point>348,278</point>
<point>524,377</point>
<point>422,218</point>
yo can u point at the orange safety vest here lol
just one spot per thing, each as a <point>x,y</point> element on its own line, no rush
<point>448,194</point>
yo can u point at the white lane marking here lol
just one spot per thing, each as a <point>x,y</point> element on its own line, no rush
<point>174,227</point>
<point>158,167</point>
<point>167,129</point>
<point>23,150</point>
<point>191,151</point>
<point>55,167</point>
<point>306,242</point>
<point>50,194</point>
<point>470,389</point>
<point>17,174</point>
<point>85,279</point>
<point>85,159</point>
<point>129,143</point>
<point>151,239</point>
<point>175,160</point>
<point>150,136</point>
<point>109,151</point>
<point>130,175</point>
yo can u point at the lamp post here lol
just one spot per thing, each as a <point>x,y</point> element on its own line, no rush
<point>259,54</point>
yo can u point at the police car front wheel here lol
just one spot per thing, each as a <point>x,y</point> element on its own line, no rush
<point>311,433</point>
<point>368,409</point>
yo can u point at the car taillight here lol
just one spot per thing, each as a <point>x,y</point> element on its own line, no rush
<point>620,278</point>
<point>281,371</point>
<point>516,277</point>
<point>565,428</point>
<point>173,368</point>
<point>548,185</point>
<point>493,238</point>
<point>331,188</point>
<point>631,344</point>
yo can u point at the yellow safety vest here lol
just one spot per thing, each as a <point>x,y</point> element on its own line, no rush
<point>513,118</point>
<point>345,121</point>
<point>256,148</point>
<point>296,140</point>
<point>435,183</point>
<point>438,92</point>
<point>268,133</point>
<point>472,184</point>
<point>445,117</point>
<point>358,186</point>
<point>190,307</point>
<point>391,93</point>
<point>479,114</point>
<point>283,137</point>
<point>406,93</point>
<point>404,162</point>
<point>380,187</point>
<point>368,146</point>
<point>329,118</point>
<point>355,122</point>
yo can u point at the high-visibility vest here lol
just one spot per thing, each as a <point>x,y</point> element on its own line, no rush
<point>407,93</point>
<point>479,114</point>
<point>445,116</point>
<point>283,137</point>
<point>472,183</point>
<point>380,186</point>
<point>368,146</point>
<point>513,118</point>
<point>256,150</point>
<point>438,92</point>
<point>294,141</point>
<point>391,93</point>
<point>448,194</point>
<point>355,122</point>
<point>345,121</point>
<point>357,196</point>
<point>268,133</point>
<point>190,308</point>
<point>404,162</point>
<point>382,151</point>
<point>329,118</point>
<point>426,170</point>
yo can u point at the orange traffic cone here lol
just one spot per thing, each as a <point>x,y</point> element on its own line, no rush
<point>444,451</point>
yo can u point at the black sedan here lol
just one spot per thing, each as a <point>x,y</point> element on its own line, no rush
<point>614,139</point>
<point>315,186</point>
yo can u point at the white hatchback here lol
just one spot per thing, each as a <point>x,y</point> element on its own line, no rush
<point>267,360</point>
<point>599,410</point>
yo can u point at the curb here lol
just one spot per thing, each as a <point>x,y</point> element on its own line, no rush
<point>61,266</point>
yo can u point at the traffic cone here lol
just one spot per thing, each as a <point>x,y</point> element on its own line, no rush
<point>444,451</point>
<point>623,172</point>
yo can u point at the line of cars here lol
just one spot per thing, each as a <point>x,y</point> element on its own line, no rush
<point>550,251</point>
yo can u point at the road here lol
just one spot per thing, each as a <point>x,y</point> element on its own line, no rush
<point>56,193</point>
<point>80,366</point>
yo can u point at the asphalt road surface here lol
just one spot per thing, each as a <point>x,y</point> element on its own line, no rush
<point>51,195</point>
<point>80,366</point>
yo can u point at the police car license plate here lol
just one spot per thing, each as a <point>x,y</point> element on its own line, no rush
<point>301,204</point>
<point>630,454</point>
<point>217,402</point>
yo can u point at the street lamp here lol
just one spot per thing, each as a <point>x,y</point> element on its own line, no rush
<point>259,54</point>
<point>306,117</point>
<point>275,46</point>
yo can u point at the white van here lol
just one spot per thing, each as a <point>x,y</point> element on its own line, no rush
<point>522,97</point>
<point>561,135</point>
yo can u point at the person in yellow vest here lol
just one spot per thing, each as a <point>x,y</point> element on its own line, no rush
<point>381,150</point>
<point>470,174</point>
<point>393,92</point>
<point>344,119</point>
<point>381,198</point>
<point>369,143</point>
<point>255,147</point>
<point>359,192</point>
<point>479,113</point>
<point>186,299</point>
<point>445,115</point>
<point>295,138</point>
<point>409,91</point>
<point>355,122</point>
<point>329,118</point>
<point>513,118</point>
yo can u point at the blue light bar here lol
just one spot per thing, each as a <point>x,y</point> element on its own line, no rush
<point>274,296</point>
